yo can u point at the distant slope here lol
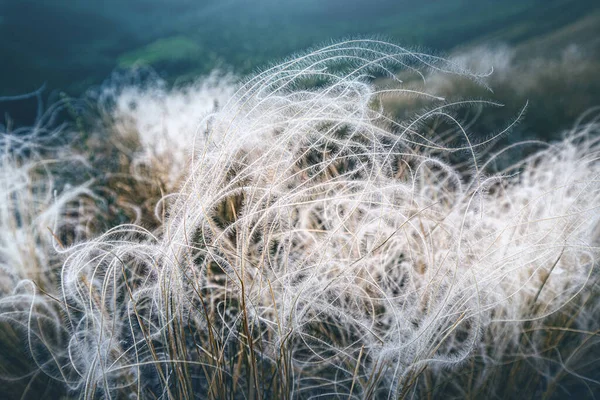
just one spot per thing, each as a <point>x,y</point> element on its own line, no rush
<point>72,44</point>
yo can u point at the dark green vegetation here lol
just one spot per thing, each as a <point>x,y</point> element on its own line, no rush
<point>72,44</point>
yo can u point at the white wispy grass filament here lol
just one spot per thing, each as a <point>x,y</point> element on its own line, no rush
<point>315,247</point>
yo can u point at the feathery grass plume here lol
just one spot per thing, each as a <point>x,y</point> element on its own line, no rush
<point>161,123</point>
<point>38,210</point>
<point>316,248</point>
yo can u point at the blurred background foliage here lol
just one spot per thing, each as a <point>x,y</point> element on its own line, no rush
<point>71,45</point>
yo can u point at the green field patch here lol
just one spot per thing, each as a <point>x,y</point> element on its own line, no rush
<point>170,50</point>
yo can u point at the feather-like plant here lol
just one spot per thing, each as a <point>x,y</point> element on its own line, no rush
<point>307,245</point>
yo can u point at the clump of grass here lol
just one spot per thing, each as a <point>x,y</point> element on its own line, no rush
<point>308,245</point>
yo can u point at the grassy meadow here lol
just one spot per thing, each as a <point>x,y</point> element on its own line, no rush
<point>348,200</point>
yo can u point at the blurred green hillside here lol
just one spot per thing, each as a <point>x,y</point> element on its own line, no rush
<point>71,44</point>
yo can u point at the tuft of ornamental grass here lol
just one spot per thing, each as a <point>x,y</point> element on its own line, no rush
<point>289,239</point>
